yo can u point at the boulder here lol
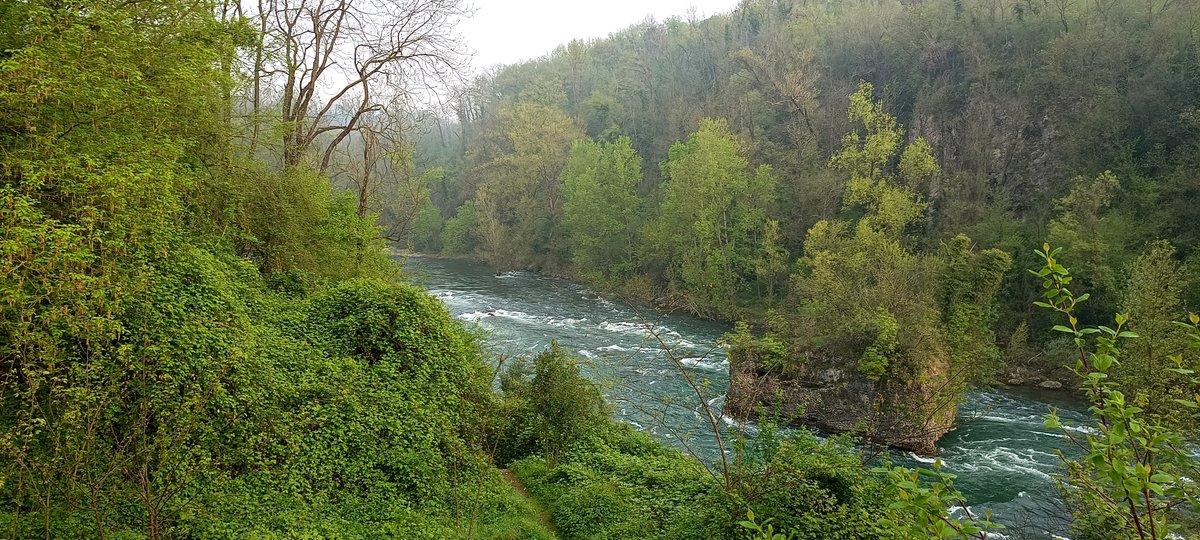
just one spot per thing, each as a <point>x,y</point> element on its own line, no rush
<point>1050,385</point>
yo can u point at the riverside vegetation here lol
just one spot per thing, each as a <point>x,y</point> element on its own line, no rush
<point>201,335</point>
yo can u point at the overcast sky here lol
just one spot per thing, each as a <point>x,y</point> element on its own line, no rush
<point>509,31</point>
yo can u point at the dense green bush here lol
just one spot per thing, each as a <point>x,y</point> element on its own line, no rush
<point>810,487</point>
<point>193,346</point>
<point>548,406</point>
<point>623,484</point>
<point>1136,476</point>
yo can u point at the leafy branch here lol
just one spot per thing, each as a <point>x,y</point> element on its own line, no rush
<point>1129,476</point>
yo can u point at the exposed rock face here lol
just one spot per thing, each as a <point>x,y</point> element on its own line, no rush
<point>831,394</point>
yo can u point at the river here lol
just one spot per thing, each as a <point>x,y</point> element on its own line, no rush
<point>1003,455</point>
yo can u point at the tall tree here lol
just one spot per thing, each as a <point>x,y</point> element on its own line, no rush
<point>519,167</point>
<point>600,208</point>
<point>713,213</point>
<point>1152,302</point>
<point>340,60</point>
<point>858,280</point>
<point>1092,237</point>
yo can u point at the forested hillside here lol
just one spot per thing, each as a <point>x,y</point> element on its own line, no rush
<point>1069,121</point>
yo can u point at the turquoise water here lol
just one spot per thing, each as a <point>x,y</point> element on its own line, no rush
<point>1001,452</point>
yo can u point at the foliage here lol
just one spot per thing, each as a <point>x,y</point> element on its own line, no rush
<point>920,508</point>
<point>120,339</point>
<point>1134,470</point>
<point>600,206</point>
<point>713,211</point>
<point>764,530</point>
<point>846,262</point>
<point>765,351</point>
<point>874,361</point>
<point>970,282</point>
<point>1081,229</point>
<point>623,484</point>
<point>618,483</point>
<point>771,264</point>
<point>807,486</point>
<point>195,343</point>
<point>1152,302</point>
<point>1191,402</point>
<point>859,294</point>
<point>553,405</point>
<point>458,234</point>
<point>517,168</point>
<point>887,196</point>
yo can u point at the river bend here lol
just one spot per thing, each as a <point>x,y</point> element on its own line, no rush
<point>1003,455</point>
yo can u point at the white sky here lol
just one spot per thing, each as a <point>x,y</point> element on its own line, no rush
<point>509,31</point>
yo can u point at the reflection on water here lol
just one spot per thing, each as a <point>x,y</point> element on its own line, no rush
<point>1001,452</point>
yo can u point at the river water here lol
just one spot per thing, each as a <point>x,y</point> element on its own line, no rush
<point>1004,457</point>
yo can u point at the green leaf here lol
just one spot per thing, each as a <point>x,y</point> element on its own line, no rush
<point>1162,478</point>
<point>1188,403</point>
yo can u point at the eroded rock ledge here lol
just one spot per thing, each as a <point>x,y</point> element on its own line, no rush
<point>828,393</point>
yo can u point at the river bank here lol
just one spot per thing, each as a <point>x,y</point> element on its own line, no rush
<point>1016,374</point>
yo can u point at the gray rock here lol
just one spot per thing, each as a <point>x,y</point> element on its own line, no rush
<point>1051,385</point>
<point>1015,382</point>
<point>829,393</point>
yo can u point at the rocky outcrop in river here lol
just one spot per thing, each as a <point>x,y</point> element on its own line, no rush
<point>828,393</point>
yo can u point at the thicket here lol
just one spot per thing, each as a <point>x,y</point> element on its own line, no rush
<point>196,342</point>
<point>862,291</point>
